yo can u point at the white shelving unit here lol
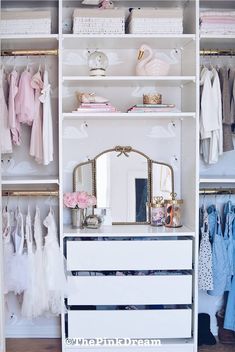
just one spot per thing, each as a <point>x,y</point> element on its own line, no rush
<point>124,89</point>
<point>19,171</point>
<point>129,116</point>
<point>176,249</point>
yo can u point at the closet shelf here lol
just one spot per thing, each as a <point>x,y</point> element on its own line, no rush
<point>129,230</point>
<point>29,41</point>
<point>127,41</point>
<point>166,81</point>
<point>217,179</point>
<point>128,116</point>
<point>33,180</point>
<point>219,41</point>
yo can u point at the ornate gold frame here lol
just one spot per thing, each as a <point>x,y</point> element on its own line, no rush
<point>124,150</point>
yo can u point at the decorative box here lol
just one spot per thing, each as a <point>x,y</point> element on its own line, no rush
<point>25,22</point>
<point>99,21</point>
<point>156,21</point>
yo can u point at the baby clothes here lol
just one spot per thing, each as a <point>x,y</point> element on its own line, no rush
<point>205,275</point>
<point>47,129</point>
<point>8,250</point>
<point>13,121</point>
<point>36,142</point>
<point>41,297</point>
<point>28,304</point>
<point>5,133</point>
<point>211,132</point>
<point>19,272</point>
<point>54,266</point>
<point>226,108</point>
<point>24,100</point>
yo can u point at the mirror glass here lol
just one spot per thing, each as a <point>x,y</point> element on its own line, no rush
<point>124,180</point>
<point>122,185</point>
<point>162,180</point>
<point>83,178</point>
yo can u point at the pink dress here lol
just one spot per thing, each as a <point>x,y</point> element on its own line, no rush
<point>24,100</point>
<point>36,142</point>
<point>13,121</point>
<point>5,133</point>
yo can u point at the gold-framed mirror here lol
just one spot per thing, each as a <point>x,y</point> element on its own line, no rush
<point>125,180</point>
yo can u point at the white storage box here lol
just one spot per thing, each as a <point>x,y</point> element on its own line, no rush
<point>99,21</point>
<point>25,22</point>
<point>156,21</point>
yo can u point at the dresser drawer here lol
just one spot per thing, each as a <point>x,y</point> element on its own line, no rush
<point>165,323</point>
<point>129,255</point>
<point>129,290</point>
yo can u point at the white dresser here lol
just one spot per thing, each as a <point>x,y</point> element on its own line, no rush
<point>152,300</point>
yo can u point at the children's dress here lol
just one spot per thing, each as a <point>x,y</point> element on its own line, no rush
<point>36,142</point>
<point>41,298</point>
<point>8,250</point>
<point>24,100</point>
<point>54,267</point>
<point>47,129</point>
<point>19,272</point>
<point>13,120</point>
<point>28,304</point>
<point>5,133</point>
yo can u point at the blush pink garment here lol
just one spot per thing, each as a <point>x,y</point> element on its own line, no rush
<point>14,123</point>
<point>36,142</point>
<point>24,100</point>
<point>5,133</point>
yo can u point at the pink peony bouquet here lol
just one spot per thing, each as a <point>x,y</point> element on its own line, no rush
<point>76,200</point>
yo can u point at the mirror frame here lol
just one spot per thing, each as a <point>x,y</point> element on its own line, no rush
<point>125,150</point>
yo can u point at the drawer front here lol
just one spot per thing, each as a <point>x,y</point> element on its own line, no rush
<point>128,290</point>
<point>165,323</point>
<point>129,255</point>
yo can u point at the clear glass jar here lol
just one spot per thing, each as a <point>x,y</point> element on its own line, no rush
<point>173,212</point>
<point>157,212</point>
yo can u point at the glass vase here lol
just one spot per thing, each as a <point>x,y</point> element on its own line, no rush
<point>78,218</point>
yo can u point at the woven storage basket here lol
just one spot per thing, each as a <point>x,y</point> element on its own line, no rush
<point>98,21</point>
<point>25,22</point>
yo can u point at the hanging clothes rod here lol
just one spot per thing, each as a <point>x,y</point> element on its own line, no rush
<point>217,52</point>
<point>29,52</point>
<point>215,191</point>
<point>32,193</point>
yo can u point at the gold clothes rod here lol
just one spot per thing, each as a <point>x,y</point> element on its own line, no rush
<point>217,52</point>
<point>215,191</point>
<point>29,52</point>
<point>31,193</point>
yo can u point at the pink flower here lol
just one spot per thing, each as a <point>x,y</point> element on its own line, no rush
<point>92,201</point>
<point>70,200</point>
<point>82,200</point>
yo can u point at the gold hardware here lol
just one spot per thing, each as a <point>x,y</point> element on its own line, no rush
<point>29,52</point>
<point>27,193</point>
<point>215,52</point>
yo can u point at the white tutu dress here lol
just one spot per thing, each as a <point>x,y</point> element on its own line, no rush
<point>41,298</point>
<point>54,266</point>
<point>19,272</point>
<point>28,304</point>
<point>8,251</point>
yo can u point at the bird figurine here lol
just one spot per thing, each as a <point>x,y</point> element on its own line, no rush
<point>158,65</point>
<point>107,4</point>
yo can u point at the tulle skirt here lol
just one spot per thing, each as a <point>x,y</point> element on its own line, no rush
<point>55,279</point>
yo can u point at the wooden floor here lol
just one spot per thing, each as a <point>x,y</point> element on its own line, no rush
<point>217,348</point>
<point>54,345</point>
<point>33,345</point>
